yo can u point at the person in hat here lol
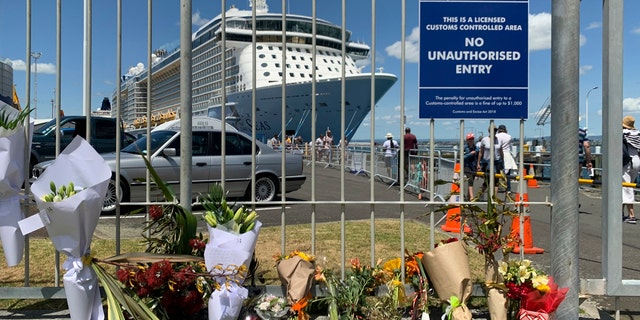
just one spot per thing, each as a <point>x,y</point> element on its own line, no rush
<point>630,137</point>
<point>390,148</point>
<point>470,163</point>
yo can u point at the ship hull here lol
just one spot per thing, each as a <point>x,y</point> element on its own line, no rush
<point>298,110</point>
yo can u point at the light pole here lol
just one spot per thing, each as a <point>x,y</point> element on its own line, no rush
<point>586,115</point>
<point>35,56</point>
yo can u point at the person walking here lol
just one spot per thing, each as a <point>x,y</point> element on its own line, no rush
<point>484,159</point>
<point>470,163</point>
<point>630,137</point>
<point>390,147</point>
<point>509,162</point>
<point>410,148</point>
<point>584,152</point>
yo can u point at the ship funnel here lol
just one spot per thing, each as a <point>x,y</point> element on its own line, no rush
<point>261,5</point>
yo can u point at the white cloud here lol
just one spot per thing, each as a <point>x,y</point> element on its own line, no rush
<point>197,20</point>
<point>636,30</point>
<point>594,25</point>
<point>585,69</point>
<point>412,47</point>
<point>631,105</point>
<point>540,31</point>
<point>20,65</point>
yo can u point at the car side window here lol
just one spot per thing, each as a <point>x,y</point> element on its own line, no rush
<point>105,130</point>
<point>238,145</point>
<point>199,144</point>
<point>235,144</point>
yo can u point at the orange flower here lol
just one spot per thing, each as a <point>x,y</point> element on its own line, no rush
<point>300,306</point>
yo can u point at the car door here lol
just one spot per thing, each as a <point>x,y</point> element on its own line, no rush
<point>237,163</point>
<point>167,163</point>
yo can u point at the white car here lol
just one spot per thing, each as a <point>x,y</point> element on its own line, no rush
<point>206,161</point>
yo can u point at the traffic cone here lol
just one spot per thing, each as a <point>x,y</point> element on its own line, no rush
<point>528,236</point>
<point>532,183</point>
<point>452,223</point>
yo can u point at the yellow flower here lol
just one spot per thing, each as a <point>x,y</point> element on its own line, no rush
<point>541,283</point>
<point>392,265</point>
<point>503,268</point>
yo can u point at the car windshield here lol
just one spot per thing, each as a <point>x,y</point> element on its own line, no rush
<point>45,128</point>
<point>158,139</point>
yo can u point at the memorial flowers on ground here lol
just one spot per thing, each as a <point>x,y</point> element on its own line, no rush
<point>233,233</point>
<point>296,271</point>
<point>531,294</point>
<point>14,146</point>
<point>448,268</point>
<point>70,214</point>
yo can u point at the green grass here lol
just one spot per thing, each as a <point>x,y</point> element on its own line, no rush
<point>327,252</point>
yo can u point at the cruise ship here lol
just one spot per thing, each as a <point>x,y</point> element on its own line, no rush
<point>299,55</point>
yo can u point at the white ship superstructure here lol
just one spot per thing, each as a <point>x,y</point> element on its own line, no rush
<point>298,75</point>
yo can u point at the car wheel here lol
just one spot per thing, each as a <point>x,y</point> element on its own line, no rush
<point>110,200</point>
<point>266,189</point>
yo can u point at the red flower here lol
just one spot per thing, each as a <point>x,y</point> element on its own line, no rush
<point>197,244</point>
<point>158,274</point>
<point>155,212</point>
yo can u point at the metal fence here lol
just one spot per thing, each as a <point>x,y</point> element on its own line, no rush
<point>424,167</point>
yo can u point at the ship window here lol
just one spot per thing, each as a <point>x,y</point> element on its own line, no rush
<point>273,56</point>
<point>302,75</point>
<point>293,57</point>
<point>306,67</point>
<point>266,74</point>
<point>307,50</point>
<point>264,64</point>
<point>288,65</point>
<point>280,74</point>
<point>259,47</point>
<point>291,74</point>
<point>302,58</point>
<point>297,66</point>
<point>270,47</point>
<point>289,49</point>
<point>325,60</point>
<point>261,56</point>
<point>277,65</point>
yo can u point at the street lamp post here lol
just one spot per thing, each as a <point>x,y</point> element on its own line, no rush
<point>586,115</point>
<point>35,56</point>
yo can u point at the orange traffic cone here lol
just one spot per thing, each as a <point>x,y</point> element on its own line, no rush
<point>532,183</point>
<point>452,223</point>
<point>525,200</point>
<point>528,236</point>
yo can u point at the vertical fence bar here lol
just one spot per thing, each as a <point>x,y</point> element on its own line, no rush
<point>186,111</point>
<point>565,48</point>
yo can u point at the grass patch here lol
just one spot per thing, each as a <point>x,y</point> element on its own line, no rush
<point>327,245</point>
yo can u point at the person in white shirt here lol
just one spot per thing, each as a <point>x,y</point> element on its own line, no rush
<point>484,158</point>
<point>509,162</point>
<point>390,148</point>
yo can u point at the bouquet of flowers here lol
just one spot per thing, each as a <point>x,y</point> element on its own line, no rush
<point>14,148</point>
<point>71,221</point>
<point>296,272</point>
<point>270,306</point>
<point>448,268</point>
<point>232,241</point>
<point>531,294</point>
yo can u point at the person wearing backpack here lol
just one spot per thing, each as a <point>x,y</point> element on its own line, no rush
<point>630,169</point>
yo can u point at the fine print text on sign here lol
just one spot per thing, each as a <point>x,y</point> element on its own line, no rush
<point>474,59</point>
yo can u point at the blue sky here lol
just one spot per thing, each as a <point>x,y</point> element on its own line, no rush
<point>358,20</point>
